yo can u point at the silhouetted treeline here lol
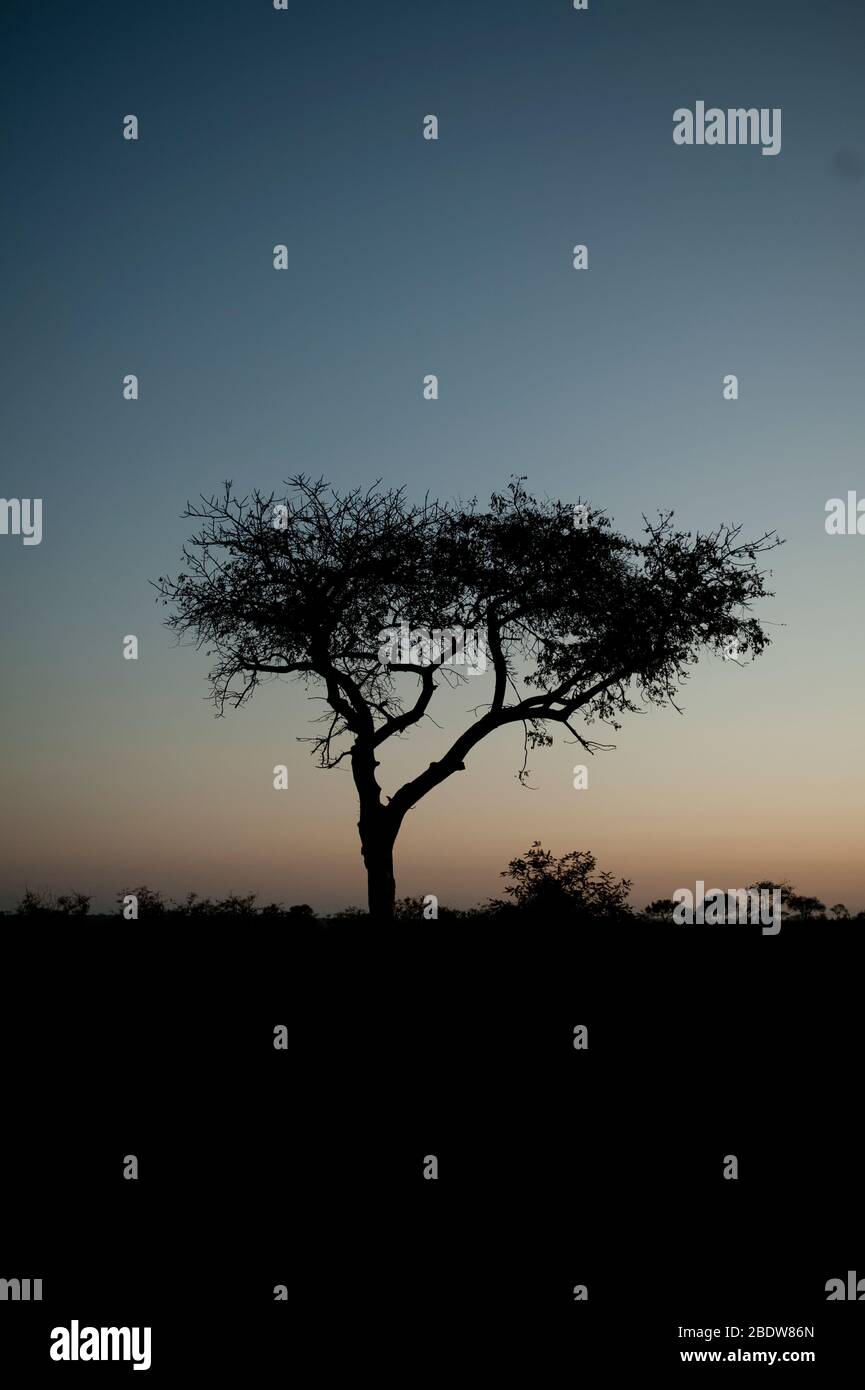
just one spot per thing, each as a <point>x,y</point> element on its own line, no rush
<point>541,887</point>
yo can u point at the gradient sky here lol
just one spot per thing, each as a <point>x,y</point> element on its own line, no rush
<point>407,257</point>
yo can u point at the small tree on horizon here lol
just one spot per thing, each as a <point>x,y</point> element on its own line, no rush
<point>660,907</point>
<point>542,883</point>
<point>35,903</point>
<point>150,902</point>
<point>581,624</point>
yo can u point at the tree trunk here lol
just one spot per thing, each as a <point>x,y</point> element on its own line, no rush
<point>381,884</point>
<point>377,841</point>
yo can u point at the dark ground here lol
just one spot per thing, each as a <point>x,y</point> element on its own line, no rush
<point>305,1167</point>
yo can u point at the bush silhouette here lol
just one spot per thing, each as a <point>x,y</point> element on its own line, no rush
<point>571,884</point>
<point>542,888</point>
<point>36,904</point>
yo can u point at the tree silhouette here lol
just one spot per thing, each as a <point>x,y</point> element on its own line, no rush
<point>150,903</point>
<point>35,904</point>
<point>662,908</point>
<point>797,905</point>
<point>579,622</point>
<point>542,883</point>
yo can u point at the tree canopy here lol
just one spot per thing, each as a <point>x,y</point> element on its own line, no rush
<point>581,624</point>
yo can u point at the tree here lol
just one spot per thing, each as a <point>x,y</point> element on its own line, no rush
<point>805,907</point>
<point>232,906</point>
<point>771,885</point>
<point>34,903</point>
<point>150,901</point>
<point>795,904</point>
<point>579,622</point>
<point>840,912</point>
<point>544,884</point>
<point>661,907</point>
<point>74,904</point>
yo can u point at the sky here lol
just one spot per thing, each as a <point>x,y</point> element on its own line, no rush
<point>407,256</point>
